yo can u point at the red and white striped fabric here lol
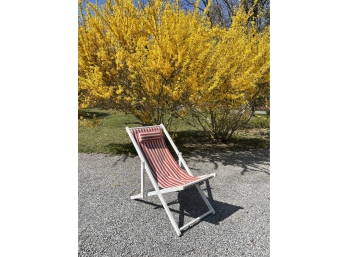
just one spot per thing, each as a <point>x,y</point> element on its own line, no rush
<point>149,136</point>
<point>164,168</point>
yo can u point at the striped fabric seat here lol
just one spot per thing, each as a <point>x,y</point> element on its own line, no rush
<point>164,168</point>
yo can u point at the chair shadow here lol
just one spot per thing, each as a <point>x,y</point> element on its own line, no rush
<point>191,205</point>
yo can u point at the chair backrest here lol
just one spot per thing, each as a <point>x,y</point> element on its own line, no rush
<point>164,168</point>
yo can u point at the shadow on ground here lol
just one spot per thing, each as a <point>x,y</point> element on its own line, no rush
<point>88,114</point>
<point>193,141</point>
<point>191,205</point>
<point>126,149</point>
<point>249,160</point>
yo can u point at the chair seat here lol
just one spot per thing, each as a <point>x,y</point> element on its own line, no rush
<point>175,182</point>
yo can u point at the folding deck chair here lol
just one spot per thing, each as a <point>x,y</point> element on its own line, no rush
<point>162,169</point>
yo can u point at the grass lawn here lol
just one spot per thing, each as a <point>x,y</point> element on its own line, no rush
<point>110,135</point>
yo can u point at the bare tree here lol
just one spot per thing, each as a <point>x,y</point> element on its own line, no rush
<point>221,11</point>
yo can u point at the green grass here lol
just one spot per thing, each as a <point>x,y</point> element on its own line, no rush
<point>110,135</point>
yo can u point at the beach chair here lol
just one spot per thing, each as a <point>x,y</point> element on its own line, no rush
<point>165,173</point>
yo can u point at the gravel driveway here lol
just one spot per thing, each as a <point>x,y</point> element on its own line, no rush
<point>111,224</point>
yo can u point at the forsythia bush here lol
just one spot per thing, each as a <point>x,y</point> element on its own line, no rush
<point>160,62</point>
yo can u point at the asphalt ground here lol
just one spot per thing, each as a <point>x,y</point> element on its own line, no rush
<point>111,224</point>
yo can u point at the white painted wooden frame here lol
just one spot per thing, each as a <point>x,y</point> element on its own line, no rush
<point>159,191</point>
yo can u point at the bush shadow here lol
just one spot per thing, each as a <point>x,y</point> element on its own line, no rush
<point>127,149</point>
<point>252,160</point>
<point>88,114</point>
<point>195,141</point>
